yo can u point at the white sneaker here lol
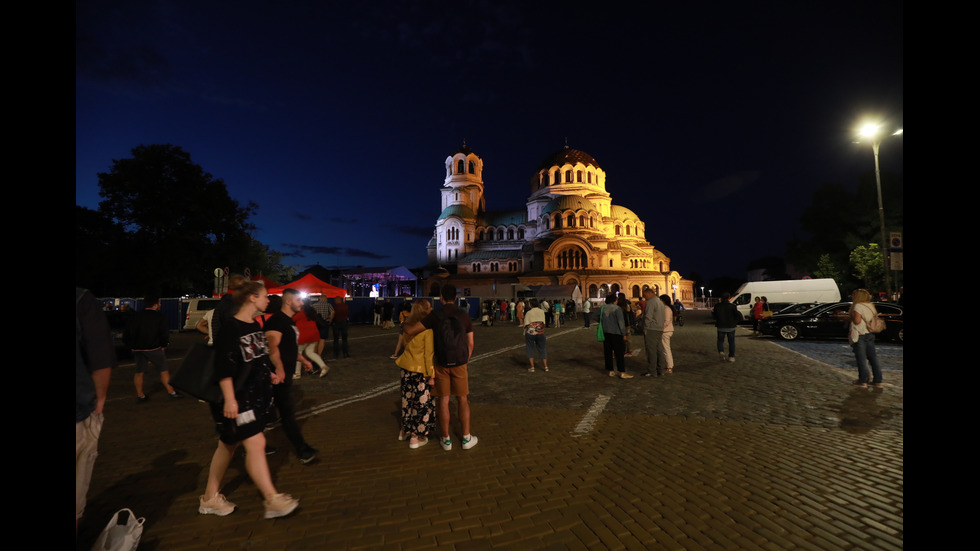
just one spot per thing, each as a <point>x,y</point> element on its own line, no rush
<point>217,505</point>
<point>470,442</point>
<point>731,359</point>
<point>280,505</point>
<point>446,443</point>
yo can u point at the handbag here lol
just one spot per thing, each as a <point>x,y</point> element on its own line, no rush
<point>119,536</point>
<point>196,375</point>
<point>600,335</point>
<point>639,326</point>
<point>766,311</point>
<point>875,323</point>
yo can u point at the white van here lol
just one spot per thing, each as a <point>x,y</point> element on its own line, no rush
<point>790,291</point>
<point>196,308</point>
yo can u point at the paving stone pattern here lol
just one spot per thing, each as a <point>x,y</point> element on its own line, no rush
<point>774,451</point>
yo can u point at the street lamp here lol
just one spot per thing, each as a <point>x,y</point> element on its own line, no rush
<point>871,131</point>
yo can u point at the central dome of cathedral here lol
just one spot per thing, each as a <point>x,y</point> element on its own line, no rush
<point>565,156</point>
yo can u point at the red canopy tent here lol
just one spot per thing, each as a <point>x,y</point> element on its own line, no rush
<point>311,285</point>
<point>269,284</point>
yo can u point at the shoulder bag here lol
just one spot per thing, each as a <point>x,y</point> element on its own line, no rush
<point>600,335</point>
<point>875,323</point>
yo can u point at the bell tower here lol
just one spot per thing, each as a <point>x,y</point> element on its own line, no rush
<point>462,204</point>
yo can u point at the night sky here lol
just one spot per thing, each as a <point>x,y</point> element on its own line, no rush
<point>714,121</point>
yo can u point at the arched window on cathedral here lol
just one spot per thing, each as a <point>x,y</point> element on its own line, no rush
<point>627,230</point>
<point>510,234</point>
<point>581,220</point>
<point>635,291</point>
<point>479,235</point>
<point>476,267</point>
<point>619,230</point>
<point>460,167</point>
<point>472,167</point>
<point>500,234</point>
<point>520,233</point>
<point>578,176</point>
<point>593,291</point>
<point>590,176</point>
<point>571,221</point>
<point>557,224</point>
<point>568,176</point>
<point>555,177</point>
<point>572,258</point>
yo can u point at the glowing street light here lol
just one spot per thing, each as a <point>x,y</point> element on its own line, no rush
<point>872,132</point>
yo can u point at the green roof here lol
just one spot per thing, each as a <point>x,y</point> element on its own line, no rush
<point>459,211</point>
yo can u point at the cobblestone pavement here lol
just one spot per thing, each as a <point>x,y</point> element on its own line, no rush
<point>774,451</point>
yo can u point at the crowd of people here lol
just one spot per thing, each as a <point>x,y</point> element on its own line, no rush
<point>263,343</point>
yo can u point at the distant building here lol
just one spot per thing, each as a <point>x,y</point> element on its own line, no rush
<point>568,234</point>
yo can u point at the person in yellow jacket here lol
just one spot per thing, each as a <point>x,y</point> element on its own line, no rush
<point>418,408</point>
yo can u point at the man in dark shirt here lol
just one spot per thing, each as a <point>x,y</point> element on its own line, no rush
<point>450,381</point>
<point>148,336</point>
<point>726,320</point>
<point>283,337</point>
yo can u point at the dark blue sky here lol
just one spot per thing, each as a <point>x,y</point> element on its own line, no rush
<point>714,121</point>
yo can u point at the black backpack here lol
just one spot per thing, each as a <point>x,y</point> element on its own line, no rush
<point>452,344</point>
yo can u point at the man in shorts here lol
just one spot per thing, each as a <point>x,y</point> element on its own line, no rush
<point>450,380</point>
<point>148,336</point>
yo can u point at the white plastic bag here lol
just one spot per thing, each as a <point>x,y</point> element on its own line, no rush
<point>120,537</point>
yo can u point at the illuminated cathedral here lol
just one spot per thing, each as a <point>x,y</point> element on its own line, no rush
<point>569,234</point>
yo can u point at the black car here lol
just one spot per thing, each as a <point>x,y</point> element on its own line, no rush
<point>830,321</point>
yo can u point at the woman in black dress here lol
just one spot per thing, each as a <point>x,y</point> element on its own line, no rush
<point>245,376</point>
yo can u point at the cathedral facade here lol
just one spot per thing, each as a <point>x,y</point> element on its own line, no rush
<point>569,234</point>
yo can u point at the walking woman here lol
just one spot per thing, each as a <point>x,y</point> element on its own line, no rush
<point>245,376</point>
<point>534,337</point>
<point>613,329</point>
<point>418,409</point>
<point>863,340</point>
<point>309,336</point>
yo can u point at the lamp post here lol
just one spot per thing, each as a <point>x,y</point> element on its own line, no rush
<point>871,131</point>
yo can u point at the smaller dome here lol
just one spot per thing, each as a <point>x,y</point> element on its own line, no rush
<point>568,202</point>
<point>621,213</point>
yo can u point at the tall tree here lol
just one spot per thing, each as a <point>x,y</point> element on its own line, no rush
<point>866,261</point>
<point>840,219</point>
<point>179,220</point>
